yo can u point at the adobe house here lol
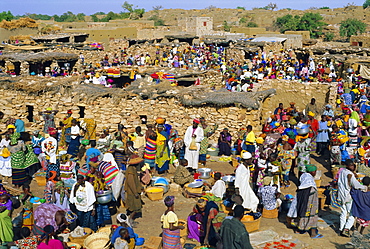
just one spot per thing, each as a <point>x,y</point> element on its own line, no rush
<point>61,38</point>
<point>360,41</point>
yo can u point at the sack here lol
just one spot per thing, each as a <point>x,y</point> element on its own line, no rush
<point>193,144</point>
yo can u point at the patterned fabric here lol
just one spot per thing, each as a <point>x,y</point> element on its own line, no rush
<point>17,155</point>
<point>362,222</point>
<point>48,191</point>
<point>109,172</point>
<point>171,239</point>
<point>309,221</point>
<point>53,167</point>
<point>85,219</point>
<point>204,144</point>
<point>303,148</point>
<point>49,122</point>
<point>90,133</point>
<point>287,160</point>
<point>30,157</point>
<point>45,215</point>
<point>103,216</point>
<point>149,153</point>
<point>182,175</point>
<point>268,196</point>
<point>19,176</point>
<point>162,148</point>
<point>27,243</point>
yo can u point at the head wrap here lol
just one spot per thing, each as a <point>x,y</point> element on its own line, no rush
<point>259,140</point>
<point>293,121</point>
<point>160,126</point>
<point>202,203</point>
<point>169,201</point>
<point>311,168</point>
<point>246,155</point>
<point>10,126</point>
<point>267,180</point>
<point>52,131</point>
<point>285,138</point>
<point>52,177</point>
<point>307,181</point>
<point>311,114</point>
<point>328,106</point>
<point>85,142</point>
<point>292,103</point>
<point>49,109</point>
<point>197,121</point>
<point>59,185</point>
<point>69,111</point>
<point>122,218</point>
<point>70,216</point>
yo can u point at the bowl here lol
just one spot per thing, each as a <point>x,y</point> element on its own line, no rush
<point>161,181</point>
<point>303,130</point>
<point>205,172</point>
<point>228,178</point>
<point>139,241</point>
<point>105,197</point>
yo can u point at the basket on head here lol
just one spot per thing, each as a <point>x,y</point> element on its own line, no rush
<point>97,241</point>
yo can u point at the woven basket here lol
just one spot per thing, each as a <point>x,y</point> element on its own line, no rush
<point>154,196</point>
<point>106,230</point>
<point>96,241</point>
<point>183,232</point>
<point>74,245</point>
<point>41,180</point>
<point>253,225</point>
<point>193,190</point>
<point>270,214</point>
<point>80,240</point>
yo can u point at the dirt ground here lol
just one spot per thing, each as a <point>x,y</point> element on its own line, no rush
<point>150,225</point>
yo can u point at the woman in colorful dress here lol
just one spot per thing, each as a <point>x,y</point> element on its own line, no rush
<point>150,147</point>
<point>286,154</point>
<point>162,157</point>
<point>17,150</point>
<point>66,130</point>
<point>302,150</point>
<point>170,226</point>
<point>27,211</point>
<point>224,143</point>
<point>74,145</point>
<point>49,188</point>
<point>208,132</point>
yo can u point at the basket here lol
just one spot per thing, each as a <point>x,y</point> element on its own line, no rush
<point>183,232</point>
<point>97,241</point>
<point>253,225</point>
<point>41,180</point>
<point>80,240</point>
<point>270,214</point>
<point>154,193</point>
<point>106,230</point>
<point>193,190</point>
<point>226,210</point>
<point>235,162</point>
<point>74,245</point>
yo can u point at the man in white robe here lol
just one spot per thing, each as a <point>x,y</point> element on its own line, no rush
<point>193,133</point>
<point>242,175</point>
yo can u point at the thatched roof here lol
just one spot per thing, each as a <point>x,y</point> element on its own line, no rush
<point>38,57</point>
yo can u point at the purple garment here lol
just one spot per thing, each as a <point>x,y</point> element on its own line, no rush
<point>194,228</point>
<point>8,205</point>
<point>45,215</point>
<point>360,204</point>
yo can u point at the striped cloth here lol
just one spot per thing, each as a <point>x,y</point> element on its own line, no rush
<point>109,171</point>
<point>150,152</point>
<point>171,239</point>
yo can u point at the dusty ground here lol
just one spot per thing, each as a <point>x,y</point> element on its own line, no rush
<point>150,224</point>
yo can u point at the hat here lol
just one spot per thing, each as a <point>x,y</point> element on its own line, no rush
<point>292,103</point>
<point>267,180</point>
<point>70,216</point>
<point>49,109</point>
<point>311,168</point>
<point>5,153</point>
<point>135,159</point>
<point>69,111</point>
<point>293,121</point>
<point>328,106</point>
<point>246,155</point>
<point>196,121</point>
<point>311,114</point>
<point>259,140</point>
<point>10,126</point>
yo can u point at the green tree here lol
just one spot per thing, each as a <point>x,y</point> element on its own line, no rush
<point>134,12</point>
<point>226,26</point>
<point>80,16</point>
<point>366,4</point>
<point>157,21</point>
<point>240,8</point>
<point>6,15</point>
<point>351,27</point>
<point>252,25</point>
<point>287,22</point>
<point>313,23</point>
<point>325,8</point>
<point>329,36</point>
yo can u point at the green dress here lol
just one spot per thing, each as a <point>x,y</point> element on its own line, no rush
<point>6,227</point>
<point>30,157</point>
<point>208,131</point>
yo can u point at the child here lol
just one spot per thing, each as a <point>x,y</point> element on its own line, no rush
<point>361,205</point>
<point>218,188</point>
<point>182,174</point>
<point>121,242</point>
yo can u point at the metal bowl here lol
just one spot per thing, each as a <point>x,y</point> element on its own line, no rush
<point>228,178</point>
<point>303,130</point>
<point>205,172</point>
<point>105,197</point>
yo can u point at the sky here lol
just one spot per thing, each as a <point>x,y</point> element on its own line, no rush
<point>51,7</point>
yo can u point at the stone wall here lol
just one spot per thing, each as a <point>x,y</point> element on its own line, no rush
<point>109,111</point>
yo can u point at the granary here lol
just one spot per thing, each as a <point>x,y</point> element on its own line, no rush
<point>37,62</point>
<point>61,37</point>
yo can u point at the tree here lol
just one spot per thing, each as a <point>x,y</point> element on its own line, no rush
<point>157,7</point>
<point>329,36</point>
<point>252,25</point>
<point>157,20</point>
<point>313,23</point>
<point>226,26</point>
<point>366,4</point>
<point>80,16</point>
<point>287,22</point>
<point>134,13</point>
<point>271,6</point>
<point>240,8</point>
<point>7,16</point>
<point>351,27</point>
